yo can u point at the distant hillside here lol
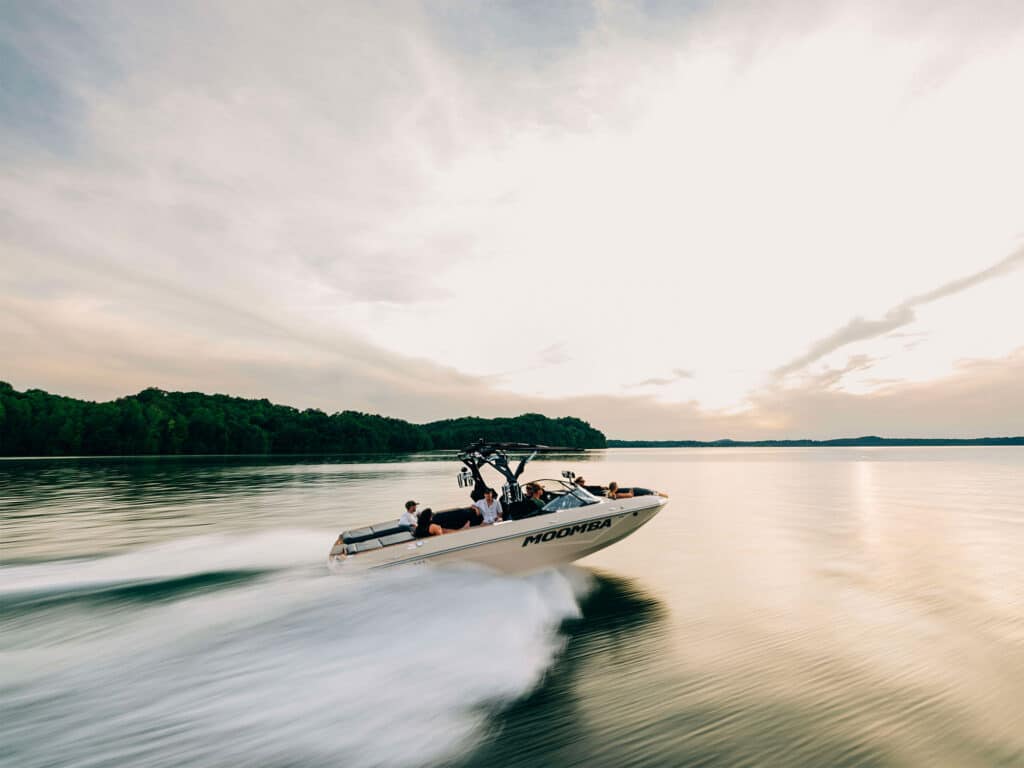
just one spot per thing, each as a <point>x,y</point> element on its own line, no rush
<point>839,442</point>
<point>36,423</point>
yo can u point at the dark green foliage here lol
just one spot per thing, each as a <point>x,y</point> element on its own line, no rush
<point>528,428</point>
<point>36,423</point>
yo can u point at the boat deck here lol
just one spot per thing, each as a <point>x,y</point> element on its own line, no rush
<point>389,532</point>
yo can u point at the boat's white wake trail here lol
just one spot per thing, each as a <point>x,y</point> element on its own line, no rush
<point>294,668</point>
<point>191,556</point>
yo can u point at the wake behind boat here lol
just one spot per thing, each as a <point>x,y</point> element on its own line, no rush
<point>567,522</point>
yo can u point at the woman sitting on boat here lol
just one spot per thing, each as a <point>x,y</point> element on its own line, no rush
<point>425,526</point>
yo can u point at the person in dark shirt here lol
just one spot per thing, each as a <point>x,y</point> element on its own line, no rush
<point>531,503</point>
<point>535,494</point>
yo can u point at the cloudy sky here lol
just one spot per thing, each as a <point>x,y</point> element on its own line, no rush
<point>673,219</point>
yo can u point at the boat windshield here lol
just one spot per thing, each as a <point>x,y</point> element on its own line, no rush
<point>566,495</point>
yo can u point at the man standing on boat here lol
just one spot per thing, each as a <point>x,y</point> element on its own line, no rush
<point>489,507</point>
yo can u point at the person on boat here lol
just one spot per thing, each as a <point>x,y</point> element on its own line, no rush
<point>425,526</point>
<point>614,492</point>
<point>489,508</point>
<point>408,518</point>
<point>534,494</point>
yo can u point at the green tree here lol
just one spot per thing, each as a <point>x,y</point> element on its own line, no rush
<point>155,421</point>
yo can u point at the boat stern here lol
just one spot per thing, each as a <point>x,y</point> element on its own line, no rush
<point>337,555</point>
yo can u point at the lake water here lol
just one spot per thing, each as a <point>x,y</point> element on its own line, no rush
<point>790,607</point>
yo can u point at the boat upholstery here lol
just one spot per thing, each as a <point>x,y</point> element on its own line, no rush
<point>455,518</point>
<point>390,532</point>
<point>374,532</point>
<point>397,538</point>
<point>363,546</point>
<point>520,510</point>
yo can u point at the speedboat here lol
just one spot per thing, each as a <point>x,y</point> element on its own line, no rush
<point>572,523</point>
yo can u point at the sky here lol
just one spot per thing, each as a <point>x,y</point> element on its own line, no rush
<point>686,220</point>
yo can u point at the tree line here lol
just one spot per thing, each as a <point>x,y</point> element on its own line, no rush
<point>37,423</point>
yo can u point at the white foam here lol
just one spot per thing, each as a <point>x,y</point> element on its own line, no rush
<point>195,555</point>
<point>397,669</point>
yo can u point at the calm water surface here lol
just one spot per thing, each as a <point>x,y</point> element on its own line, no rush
<point>790,607</point>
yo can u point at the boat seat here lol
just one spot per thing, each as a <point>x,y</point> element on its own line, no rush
<point>523,509</point>
<point>386,528</point>
<point>389,528</point>
<point>356,535</point>
<point>363,546</point>
<point>397,538</point>
<point>390,532</point>
<point>457,517</point>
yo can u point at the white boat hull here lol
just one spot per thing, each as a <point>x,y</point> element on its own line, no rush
<point>516,546</point>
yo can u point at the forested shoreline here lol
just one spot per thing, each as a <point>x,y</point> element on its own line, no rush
<point>155,422</point>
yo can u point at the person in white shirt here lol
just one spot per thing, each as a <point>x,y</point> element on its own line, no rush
<point>489,507</point>
<point>409,517</point>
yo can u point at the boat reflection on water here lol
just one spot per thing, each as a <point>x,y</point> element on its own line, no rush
<point>625,692</point>
<point>585,712</point>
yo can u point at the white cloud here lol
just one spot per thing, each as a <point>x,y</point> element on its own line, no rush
<point>436,212</point>
<point>861,329</point>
